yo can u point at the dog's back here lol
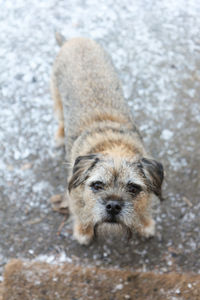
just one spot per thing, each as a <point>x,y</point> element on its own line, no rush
<point>85,81</point>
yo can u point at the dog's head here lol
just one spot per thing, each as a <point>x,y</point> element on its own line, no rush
<point>115,190</point>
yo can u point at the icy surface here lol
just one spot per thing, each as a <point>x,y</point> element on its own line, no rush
<point>155,47</point>
<point>166,134</point>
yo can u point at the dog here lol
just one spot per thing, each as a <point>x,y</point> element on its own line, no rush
<point>112,180</point>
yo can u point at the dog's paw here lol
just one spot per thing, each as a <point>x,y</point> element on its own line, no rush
<point>83,235</point>
<point>149,230</point>
<point>59,203</point>
<point>83,239</point>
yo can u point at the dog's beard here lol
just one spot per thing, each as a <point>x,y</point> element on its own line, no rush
<point>112,228</point>
<point>119,225</point>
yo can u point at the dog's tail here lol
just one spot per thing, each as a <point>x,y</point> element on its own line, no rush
<point>60,39</point>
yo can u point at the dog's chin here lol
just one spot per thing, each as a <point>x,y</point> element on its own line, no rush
<point>112,226</point>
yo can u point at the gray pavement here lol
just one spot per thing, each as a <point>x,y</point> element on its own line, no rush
<point>155,46</point>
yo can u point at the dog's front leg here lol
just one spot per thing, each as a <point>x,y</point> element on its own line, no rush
<point>148,227</point>
<point>83,233</point>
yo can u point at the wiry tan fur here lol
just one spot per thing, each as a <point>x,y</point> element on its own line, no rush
<point>102,142</point>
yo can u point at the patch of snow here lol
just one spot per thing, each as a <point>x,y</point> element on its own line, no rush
<point>54,259</point>
<point>177,291</point>
<point>166,134</point>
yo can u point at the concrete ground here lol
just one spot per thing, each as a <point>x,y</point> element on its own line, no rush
<point>155,46</point>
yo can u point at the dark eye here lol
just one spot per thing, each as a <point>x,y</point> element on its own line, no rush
<point>133,188</point>
<point>97,185</point>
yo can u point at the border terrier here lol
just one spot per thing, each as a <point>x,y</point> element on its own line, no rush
<point>112,180</point>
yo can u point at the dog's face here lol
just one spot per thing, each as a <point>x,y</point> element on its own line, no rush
<point>115,190</point>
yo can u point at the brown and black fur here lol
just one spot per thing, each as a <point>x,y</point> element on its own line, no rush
<point>99,133</point>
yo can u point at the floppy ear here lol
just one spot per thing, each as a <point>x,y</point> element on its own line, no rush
<point>82,166</point>
<point>154,173</point>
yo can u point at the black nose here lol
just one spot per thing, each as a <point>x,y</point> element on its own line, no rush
<point>113,207</point>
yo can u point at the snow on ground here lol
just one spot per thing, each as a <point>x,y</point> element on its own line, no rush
<point>155,47</point>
